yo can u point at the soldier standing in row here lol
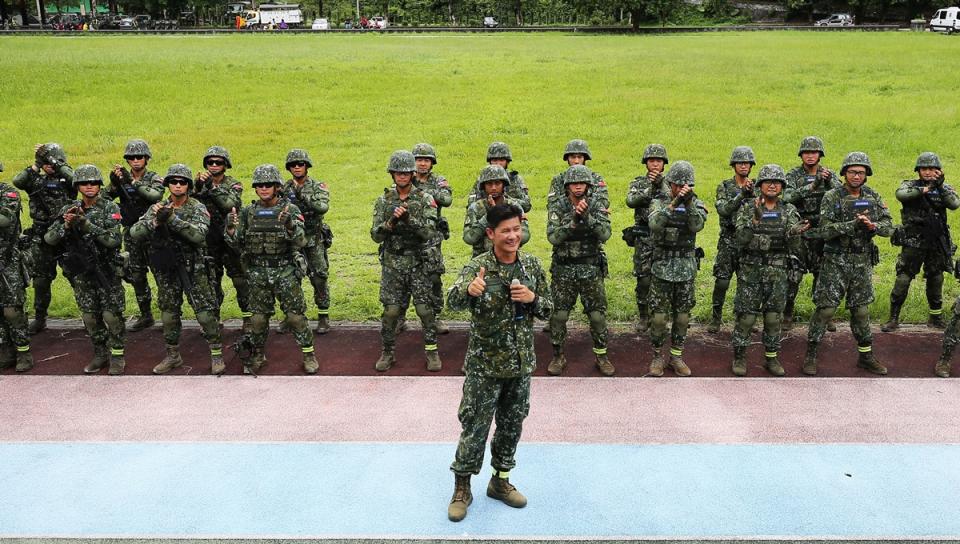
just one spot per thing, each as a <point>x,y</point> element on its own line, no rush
<point>87,234</point>
<point>850,217</point>
<point>494,182</point>
<point>674,225</point>
<point>732,193</point>
<point>269,234</point>
<point>436,186</point>
<point>643,190</point>
<point>15,349</point>
<point>806,185</point>
<point>498,154</point>
<point>49,184</point>
<point>220,193</point>
<point>925,238</point>
<point>767,230</point>
<point>174,232</point>
<point>503,289</point>
<point>136,190</point>
<point>312,197</point>
<point>578,153</point>
<point>578,226</point>
<point>404,225</point>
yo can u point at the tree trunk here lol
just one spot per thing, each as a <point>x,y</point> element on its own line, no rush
<point>518,11</point>
<point>635,14</point>
<point>43,12</point>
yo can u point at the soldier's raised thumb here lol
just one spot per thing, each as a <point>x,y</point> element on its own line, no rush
<point>482,273</point>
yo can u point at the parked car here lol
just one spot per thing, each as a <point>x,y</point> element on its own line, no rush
<point>320,24</point>
<point>837,19</point>
<point>378,22</point>
<point>127,23</point>
<point>143,21</point>
<point>946,20</point>
<point>490,22</point>
<point>110,22</point>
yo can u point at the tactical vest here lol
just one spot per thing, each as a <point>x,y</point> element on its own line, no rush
<point>727,224</point>
<point>400,241</point>
<point>50,198</point>
<point>132,205</point>
<point>265,234</point>
<point>677,234</point>
<point>916,212</point>
<point>809,205</point>
<point>861,239</point>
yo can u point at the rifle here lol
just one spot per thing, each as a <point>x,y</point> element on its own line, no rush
<point>83,256</point>
<point>129,212</point>
<point>936,232</point>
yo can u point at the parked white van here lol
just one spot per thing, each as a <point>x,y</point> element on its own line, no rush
<point>946,20</point>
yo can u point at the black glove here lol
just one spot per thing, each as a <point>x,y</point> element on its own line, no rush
<point>164,214</point>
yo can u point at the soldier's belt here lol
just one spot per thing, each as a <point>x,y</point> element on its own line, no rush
<point>674,253</point>
<point>406,252</point>
<point>590,259</point>
<point>858,250</point>
<point>776,260</point>
<point>285,260</point>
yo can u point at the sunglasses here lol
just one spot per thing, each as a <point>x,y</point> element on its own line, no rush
<point>89,183</point>
<point>262,185</point>
<point>215,163</point>
<point>177,181</point>
<point>134,157</point>
<point>298,164</point>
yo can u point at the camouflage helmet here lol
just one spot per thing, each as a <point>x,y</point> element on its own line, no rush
<point>402,161</point>
<point>499,150</point>
<point>52,153</point>
<point>180,171</point>
<point>578,173</point>
<point>297,155</point>
<point>927,159</point>
<point>856,158</point>
<point>577,146</point>
<point>425,151</point>
<point>86,173</point>
<point>681,173</point>
<point>811,143</point>
<point>217,151</point>
<point>772,172</point>
<point>137,147</point>
<point>267,174</point>
<point>742,153</point>
<point>655,151</point>
<point>493,173</point>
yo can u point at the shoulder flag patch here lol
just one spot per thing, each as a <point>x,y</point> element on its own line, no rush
<point>115,215</point>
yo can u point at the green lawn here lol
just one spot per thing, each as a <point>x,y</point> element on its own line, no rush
<point>352,100</point>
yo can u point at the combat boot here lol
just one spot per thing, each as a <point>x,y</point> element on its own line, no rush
<point>773,365</point>
<point>894,322</point>
<point>501,489</point>
<point>810,360</point>
<point>935,321</point>
<point>831,326</point>
<point>255,363</point>
<point>943,368</point>
<point>323,324</point>
<point>868,362</point>
<point>787,322</point>
<point>433,361</point>
<point>558,363</point>
<point>679,367</point>
<point>739,366</point>
<point>385,361</point>
<point>217,366</point>
<point>462,497</point>
<point>24,361</point>
<point>247,325</point>
<point>442,327</point>
<point>117,365</point>
<point>171,361</point>
<point>101,357</point>
<point>604,365</point>
<point>643,323</point>
<point>715,321</point>
<point>310,365</point>
<point>144,320</point>
<point>38,324</point>
<point>657,364</point>
<point>8,356</point>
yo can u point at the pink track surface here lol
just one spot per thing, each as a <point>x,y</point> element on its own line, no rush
<point>416,409</point>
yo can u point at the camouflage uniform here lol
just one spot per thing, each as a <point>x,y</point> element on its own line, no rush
<point>407,253</point>
<point>578,268</point>
<point>805,191</point>
<point>436,186</point>
<point>269,239</point>
<point>673,227</point>
<point>516,189</point>
<point>219,200</point>
<point>500,358</point>
<point>15,348</point>
<point>90,259</point>
<point>598,185</point>
<point>48,195</point>
<point>135,196</point>
<point>925,238</point>
<point>475,220</point>
<point>848,261</point>
<point>765,238</point>
<point>176,253</point>
<point>313,199</point>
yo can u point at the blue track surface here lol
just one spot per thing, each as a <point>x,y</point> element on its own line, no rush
<point>394,490</point>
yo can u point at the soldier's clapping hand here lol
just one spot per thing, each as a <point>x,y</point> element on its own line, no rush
<point>72,217</point>
<point>164,213</point>
<point>865,222</point>
<point>399,213</point>
<point>478,285</point>
<point>233,221</point>
<point>581,207</point>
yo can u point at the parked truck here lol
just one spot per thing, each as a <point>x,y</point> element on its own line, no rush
<point>273,14</point>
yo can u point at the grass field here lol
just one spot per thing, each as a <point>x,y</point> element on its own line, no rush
<point>352,100</point>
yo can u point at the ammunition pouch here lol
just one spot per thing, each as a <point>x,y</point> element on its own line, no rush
<point>700,255</point>
<point>632,233</point>
<point>443,227</point>
<point>896,238</point>
<point>327,235</point>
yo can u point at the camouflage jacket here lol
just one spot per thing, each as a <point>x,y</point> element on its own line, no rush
<point>500,345</point>
<point>437,187</point>
<point>920,209</point>
<point>516,189</point>
<point>839,226</point>
<point>135,195</point>
<point>313,199</point>
<point>187,227</point>
<point>730,198</point>
<point>639,196</point>
<point>100,224</point>
<point>577,241</point>
<point>218,200</point>
<point>9,220</point>
<point>674,236</point>
<point>766,238</point>
<point>412,235</point>
<point>475,226</point>
<point>806,191</point>
<point>48,194</point>
<point>261,237</point>
<point>598,187</point>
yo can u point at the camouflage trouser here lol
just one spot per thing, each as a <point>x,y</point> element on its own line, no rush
<point>102,310</point>
<point>43,270</point>
<point>12,297</point>
<point>203,300</point>
<point>225,258</point>
<point>909,262</point>
<point>135,270</point>
<point>726,261</point>
<point>568,281</point>
<point>664,297</point>
<point>397,287</point>
<point>281,283</point>
<point>808,259</point>
<point>951,336</point>
<point>766,298</point>
<point>642,260</point>
<point>507,400</point>
<point>318,268</point>
<point>844,276</point>
<point>434,267</point>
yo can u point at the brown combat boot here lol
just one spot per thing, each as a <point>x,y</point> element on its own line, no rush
<point>557,363</point>
<point>773,365</point>
<point>810,360</point>
<point>462,498</point>
<point>676,363</point>
<point>257,361</point>
<point>657,364</point>
<point>894,322</point>
<point>739,366</point>
<point>385,361</point>
<point>433,361</point>
<point>117,365</point>
<point>943,368</point>
<point>716,322</point>
<point>24,361</point>
<point>868,362</point>
<point>604,365</point>
<point>144,320</point>
<point>643,322</point>
<point>831,326</point>
<point>935,321</point>
<point>171,361</point>
<point>101,357</point>
<point>323,324</point>
<point>501,489</point>
<point>38,324</point>
<point>217,366</point>
<point>310,364</point>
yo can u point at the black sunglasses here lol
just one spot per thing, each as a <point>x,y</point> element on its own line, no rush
<point>259,185</point>
<point>298,164</point>
<point>216,163</point>
<point>134,157</point>
<point>178,181</point>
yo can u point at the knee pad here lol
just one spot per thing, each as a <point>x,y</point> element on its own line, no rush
<point>860,314</point>
<point>825,314</point>
<point>745,323</point>
<point>559,316</point>
<point>597,320</point>
<point>658,320</point>
<point>681,320</point>
<point>297,322</point>
<point>424,311</point>
<point>14,315</point>
<point>770,321</point>
<point>259,323</point>
<point>391,312</point>
<point>89,321</point>
<point>208,323</point>
<point>112,321</point>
